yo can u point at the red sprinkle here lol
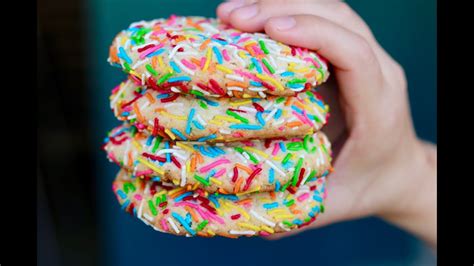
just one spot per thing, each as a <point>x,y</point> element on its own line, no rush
<point>235,216</point>
<point>166,211</point>
<point>145,47</point>
<point>170,99</point>
<point>236,174</point>
<point>132,101</point>
<point>251,177</point>
<point>236,110</point>
<point>154,157</point>
<point>300,178</point>
<point>175,162</point>
<point>258,107</point>
<point>268,86</point>
<point>216,87</point>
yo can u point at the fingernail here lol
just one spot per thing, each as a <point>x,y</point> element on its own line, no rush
<point>228,7</point>
<point>247,12</point>
<point>283,23</point>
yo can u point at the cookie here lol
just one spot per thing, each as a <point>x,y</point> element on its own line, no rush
<point>202,56</point>
<point>179,211</point>
<point>234,167</point>
<point>195,118</point>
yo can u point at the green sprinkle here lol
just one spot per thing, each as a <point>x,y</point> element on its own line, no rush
<point>321,72</point>
<point>324,149</point>
<point>128,187</point>
<point>201,180</point>
<point>285,186</point>
<point>287,223</point>
<point>127,66</point>
<point>203,104</point>
<point>294,146</point>
<point>196,92</point>
<point>263,47</point>
<point>157,144</point>
<point>322,208</point>
<point>297,171</point>
<point>289,203</point>
<point>315,118</point>
<point>151,70</point>
<point>242,151</point>
<point>307,219</point>
<point>305,143</point>
<point>311,175</point>
<point>287,157</point>
<point>152,208</point>
<point>293,81</point>
<point>270,68</point>
<point>251,66</point>
<point>133,130</point>
<point>238,117</point>
<point>201,225</point>
<point>280,99</point>
<point>164,78</point>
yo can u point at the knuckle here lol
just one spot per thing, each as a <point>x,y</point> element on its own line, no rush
<point>343,9</point>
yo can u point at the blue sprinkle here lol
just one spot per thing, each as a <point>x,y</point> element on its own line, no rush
<point>198,125</point>
<point>125,204</point>
<point>168,156</point>
<point>219,41</point>
<point>227,196</point>
<point>287,165</point>
<point>157,52</point>
<point>122,54</point>
<point>204,152</point>
<point>271,175</point>
<point>320,103</point>
<point>212,172</point>
<point>121,194</point>
<point>214,200</point>
<point>125,113</point>
<point>297,221</point>
<point>317,198</point>
<point>217,149</point>
<point>135,211</point>
<point>295,85</point>
<point>149,140</point>
<point>282,146</point>
<point>163,95</point>
<point>316,209</point>
<point>287,74</point>
<point>277,186</point>
<point>178,79</point>
<point>188,218</point>
<point>211,103</point>
<point>175,67</point>
<point>270,205</point>
<point>179,134</point>
<point>182,196</point>
<point>277,114</point>
<point>218,54</point>
<point>257,65</point>
<point>183,223</point>
<point>156,179</point>
<point>243,126</point>
<point>260,118</point>
<point>298,110</point>
<point>206,138</point>
<point>255,83</point>
<point>190,118</point>
<point>311,214</point>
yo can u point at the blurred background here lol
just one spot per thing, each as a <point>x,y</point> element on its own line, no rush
<point>79,220</point>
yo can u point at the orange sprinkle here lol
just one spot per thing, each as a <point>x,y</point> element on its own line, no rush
<point>149,97</point>
<point>272,195</point>
<point>130,159</point>
<point>222,191</point>
<point>294,124</point>
<point>244,201</point>
<point>248,47</point>
<point>300,105</point>
<point>204,44</point>
<point>193,163</point>
<point>154,61</point>
<point>177,193</point>
<point>288,101</point>
<point>237,184</point>
<point>191,23</point>
<point>156,28</point>
<point>160,109</point>
<point>113,54</point>
<point>294,210</point>
<point>236,83</point>
<point>201,233</point>
<point>137,112</point>
<point>179,39</point>
<point>227,235</point>
<point>200,159</point>
<point>310,74</point>
<point>192,212</point>
<point>196,62</point>
<point>243,167</point>
<point>212,67</point>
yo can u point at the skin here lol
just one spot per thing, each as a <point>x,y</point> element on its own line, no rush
<point>381,167</point>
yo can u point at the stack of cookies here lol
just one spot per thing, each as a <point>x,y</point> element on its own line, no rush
<point>221,129</point>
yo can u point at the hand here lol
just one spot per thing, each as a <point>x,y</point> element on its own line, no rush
<point>381,167</point>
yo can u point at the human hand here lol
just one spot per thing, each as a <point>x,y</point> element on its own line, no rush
<point>381,167</point>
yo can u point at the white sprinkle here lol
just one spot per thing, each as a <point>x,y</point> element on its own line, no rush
<point>257,88</point>
<point>268,105</point>
<point>147,188</point>
<point>174,89</point>
<point>262,94</point>
<point>241,157</point>
<point>224,131</point>
<point>234,88</point>
<point>281,224</point>
<point>271,114</point>
<point>279,122</point>
<point>319,115</point>
<point>291,59</point>
<point>200,120</point>
<point>140,209</point>
<point>263,220</point>
<point>148,217</point>
<point>247,109</point>
<point>130,117</point>
<point>210,28</point>
<point>183,176</point>
<point>112,103</point>
<point>175,228</point>
<point>272,165</point>
<point>245,232</point>
<point>139,63</point>
<point>144,105</point>
<point>196,88</point>
<point>234,77</point>
<point>174,50</point>
<point>308,171</point>
<point>169,105</point>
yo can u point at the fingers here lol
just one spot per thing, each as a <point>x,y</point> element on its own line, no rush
<point>357,69</point>
<point>224,9</point>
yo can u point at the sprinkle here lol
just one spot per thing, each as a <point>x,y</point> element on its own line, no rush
<point>188,123</point>
<point>238,117</point>
<point>208,167</point>
<point>178,79</point>
<point>173,225</point>
<point>208,59</point>
<point>237,232</point>
<point>218,54</point>
<point>150,165</point>
<point>263,47</point>
<point>243,126</point>
<point>201,180</point>
<point>206,138</point>
<point>271,175</point>
<point>183,223</point>
<point>270,205</point>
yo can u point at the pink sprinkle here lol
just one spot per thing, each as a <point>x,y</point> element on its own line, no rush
<point>188,64</point>
<point>127,108</point>
<point>114,90</point>
<point>257,50</point>
<point>225,55</point>
<point>140,126</point>
<point>298,50</point>
<point>264,233</point>
<point>138,197</point>
<point>203,62</point>
<point>303,197</point>
<point>307,118</point>
<point>244,39</point>
<point>233,34</point>
<point>276,148</point>
<point>309,59</point>
<point>281,128</point>
<point>247,75</point>
<point>215,36</point>
<point>146,172</point>
<point>164,225</point>
<point>220,172</point>
<point>112,157</point>
<point>247,143</point>
<point>114,186</point>
<point>301,118</point>
<point>150,50</point>
<point>208,167</point>
<point>237,134</point>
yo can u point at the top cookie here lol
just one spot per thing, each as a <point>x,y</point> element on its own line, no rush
<point>201,56</point>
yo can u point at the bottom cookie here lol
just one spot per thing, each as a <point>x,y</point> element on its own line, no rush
<point>175,210</point>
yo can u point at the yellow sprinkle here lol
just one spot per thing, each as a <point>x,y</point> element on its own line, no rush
<point>122,41</point>
<point>301,70</point>
<point>265,200</point>
<point>215,122</point>
<point>246,96</point>
<point>170,70</point>
<point>277,211</point>
<point>151,166</point>
<point>209,231</point>
<point>242,211</point>
<point>172,136</point>
<point>208,59</point>
<point>277,158</point>
<point>134,73</point>
<point>188,166</point>
<point>137,145</point>
<point>268,229</point>
<point>178,117</point>
<point>239,103</point>
<point>259,152</point>
<point>196,185</point>
<point>249,226</point>
<point>159,193</point>
<point>250,42</point>
<point>184,146</point>
<point>271,80</point>
<point>175,181</point>
<point>176,190</point>
<point>242,54</point>
<point>285,216</point>
<point>227,118</point>
<point>248,191</point>
<point>214,180</point>
<point>160,62</point>
<point>224,69</point>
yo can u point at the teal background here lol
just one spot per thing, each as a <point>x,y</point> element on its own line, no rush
<point>405,28</point>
